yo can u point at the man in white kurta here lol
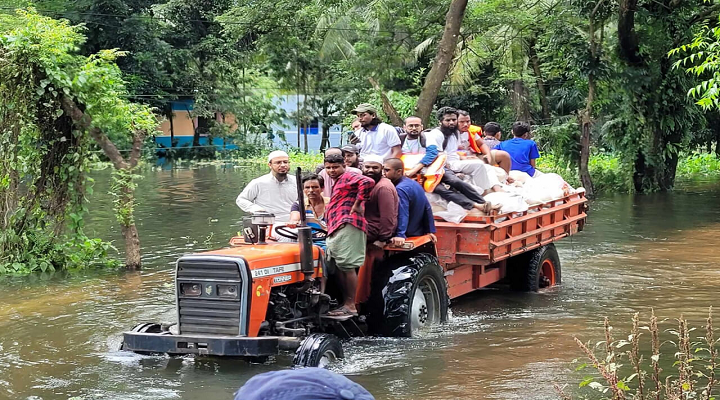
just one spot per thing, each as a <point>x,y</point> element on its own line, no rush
<point>274,193</point>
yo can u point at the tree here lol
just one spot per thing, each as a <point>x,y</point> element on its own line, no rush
<point>443,59</point>
<point>57,104</point>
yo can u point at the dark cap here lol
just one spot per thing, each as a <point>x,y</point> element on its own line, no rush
<point>302,384</point>
<point>365,108</point>
<point>350,148</point>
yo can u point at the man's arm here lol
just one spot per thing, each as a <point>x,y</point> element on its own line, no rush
<point>246,199</point>
<point>534,154</point>
<point>431,153</point>
<point>365,186</point>
<point>429,220</point>
<point>403,216</point>
<point>396,151</point>
<point>388,207</point>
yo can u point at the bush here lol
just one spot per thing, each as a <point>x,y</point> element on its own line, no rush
<point>698,165</point>
<point>623,372</point>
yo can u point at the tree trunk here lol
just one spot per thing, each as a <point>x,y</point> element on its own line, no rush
<point>387,106</point>
<point>586,123</point>
<point>542,93</point>
<point>171,116</point>
<point>129,231</point>
<point>325,142</point>
<point>518,98</point>
<point>627,36</point>
<point>443,59</point>
<point>127,193</point>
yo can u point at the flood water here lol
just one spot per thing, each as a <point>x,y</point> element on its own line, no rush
<point>59,334</point>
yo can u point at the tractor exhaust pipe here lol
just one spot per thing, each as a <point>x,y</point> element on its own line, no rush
<point>304,233</point>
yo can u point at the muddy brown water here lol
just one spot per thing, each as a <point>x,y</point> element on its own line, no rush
<point>59,333</point>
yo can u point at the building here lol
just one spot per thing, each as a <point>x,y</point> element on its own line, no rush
<point>179,130</point>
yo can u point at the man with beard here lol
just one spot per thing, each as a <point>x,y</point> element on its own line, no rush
<point>350,152</point>
<point>274,192</point>
<point>381,210</point>
<point>451,188</point>
<point>347,228</point>
<point>381,213</point>
<point>446,137</point>
<point>411,202</point>
<point>376,137</point>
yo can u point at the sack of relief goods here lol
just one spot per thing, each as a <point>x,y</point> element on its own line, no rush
<point>510,202</point>
<point>545,188</point>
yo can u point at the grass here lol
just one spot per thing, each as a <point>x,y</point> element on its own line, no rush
<point>623,371</point>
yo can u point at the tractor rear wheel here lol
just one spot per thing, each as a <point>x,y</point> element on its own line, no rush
<point>414,297</point>
<point>318,350</point>
<point>535,270</point>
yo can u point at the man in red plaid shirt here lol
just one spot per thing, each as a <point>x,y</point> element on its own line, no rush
<point>347,228</point>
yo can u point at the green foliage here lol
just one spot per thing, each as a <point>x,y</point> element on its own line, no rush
<point>43,180</point>
<point>699,165</point>
<point>703,62</point>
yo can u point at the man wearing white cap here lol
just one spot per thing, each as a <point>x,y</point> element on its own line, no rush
<point>274,192</point>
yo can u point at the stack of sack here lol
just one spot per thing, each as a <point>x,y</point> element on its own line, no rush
<point>518,196</point>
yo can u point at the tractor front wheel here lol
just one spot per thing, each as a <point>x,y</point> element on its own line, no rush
<point>318,350</point>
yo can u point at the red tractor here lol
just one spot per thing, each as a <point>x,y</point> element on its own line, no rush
<point>257,298</point>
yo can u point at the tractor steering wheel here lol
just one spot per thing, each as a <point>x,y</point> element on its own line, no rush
<point>286,232</point>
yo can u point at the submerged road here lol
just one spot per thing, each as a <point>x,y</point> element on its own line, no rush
<point>59,334</point>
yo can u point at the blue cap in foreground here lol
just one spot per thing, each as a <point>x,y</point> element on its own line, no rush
<point>302,384</point>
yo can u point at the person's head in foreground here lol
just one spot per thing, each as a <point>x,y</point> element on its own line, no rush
<point>302,384</point>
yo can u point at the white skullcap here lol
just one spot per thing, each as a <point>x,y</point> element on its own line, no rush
<point>373,158</point>
<point>276,154</point>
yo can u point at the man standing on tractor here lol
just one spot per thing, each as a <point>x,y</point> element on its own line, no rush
<point>381,210</point>
<point>381,213</point>
<point>347,228</point>
<point>412,201</point>
<point>376,137</point>
<point>274,193</point>
<point>328,181</point>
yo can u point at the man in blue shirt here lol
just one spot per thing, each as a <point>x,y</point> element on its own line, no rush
<point>522,151</point>
<point>412,202</point>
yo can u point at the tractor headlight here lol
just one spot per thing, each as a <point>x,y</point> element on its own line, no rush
<point>230,291</point>
<point>190,289</point>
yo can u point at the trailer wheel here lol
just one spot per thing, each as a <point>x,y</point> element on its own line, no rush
<point>537,270</point>
<point>318,350</point>
<point>415,297</point>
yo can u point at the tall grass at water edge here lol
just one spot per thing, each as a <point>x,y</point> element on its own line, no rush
<point>651,362</point>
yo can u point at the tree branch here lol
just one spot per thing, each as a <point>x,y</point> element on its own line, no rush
<point>84,122</point>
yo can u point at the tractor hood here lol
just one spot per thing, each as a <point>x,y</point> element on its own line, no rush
<point>264,260</point>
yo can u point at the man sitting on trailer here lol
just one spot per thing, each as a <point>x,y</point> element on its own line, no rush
<point>446,138</point>
<point>451,188</point>
<point>411,202</point>
<point>347,228</point>
<point>475,146</point>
